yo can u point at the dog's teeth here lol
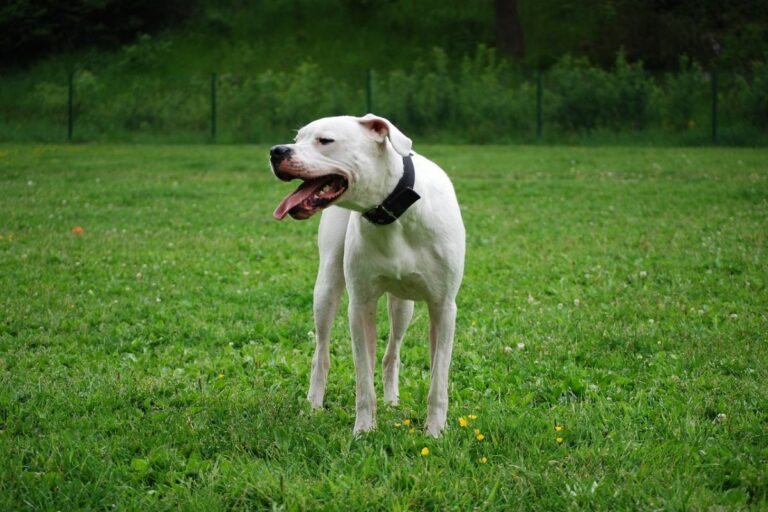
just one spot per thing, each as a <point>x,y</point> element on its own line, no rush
<point>326,188</point>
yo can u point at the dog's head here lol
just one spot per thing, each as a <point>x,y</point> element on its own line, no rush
<point>337,159</point>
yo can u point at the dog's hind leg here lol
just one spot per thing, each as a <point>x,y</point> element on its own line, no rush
<point>400,314</point>
<point>327,294</point>
<point>442,325</point>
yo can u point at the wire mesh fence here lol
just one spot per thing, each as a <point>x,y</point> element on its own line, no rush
<point>474,104</point>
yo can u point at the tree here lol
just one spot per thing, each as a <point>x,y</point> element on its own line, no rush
<point>509,31</point>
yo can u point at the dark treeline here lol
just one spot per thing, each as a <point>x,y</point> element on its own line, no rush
<point>30,29</point>
<point>726,33</point>
<point>723,33</point>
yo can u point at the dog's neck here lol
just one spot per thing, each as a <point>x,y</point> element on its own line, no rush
<point>388,169</point>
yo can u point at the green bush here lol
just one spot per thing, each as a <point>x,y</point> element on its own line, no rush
<point>483,96</point>
<point>493,103</point>
<point>749,99</point>
<point>394,96</point>
<point>307,93</point>
<point>685,91</point>
<point>422,99</point>
<point>635,91</point>
<point>49,100</point>
<point>584,94</point>
<point>587,97</point>
<point>259,107</point>
<point>144,105</point>
<point>480,99</point>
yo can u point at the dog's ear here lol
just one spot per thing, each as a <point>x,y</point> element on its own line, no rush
<point>381,128</point>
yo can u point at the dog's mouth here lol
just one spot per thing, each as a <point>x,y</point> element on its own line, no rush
<point>312,196</point>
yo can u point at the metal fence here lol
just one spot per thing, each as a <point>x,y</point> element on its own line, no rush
<point>694,107</point>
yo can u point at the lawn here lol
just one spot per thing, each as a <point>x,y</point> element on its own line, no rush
<point>611,339</point>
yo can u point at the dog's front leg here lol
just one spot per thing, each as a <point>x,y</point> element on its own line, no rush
<point>362,324</point>
<point>328,289</point>
<point>329,286</point>
<point>442,323</point>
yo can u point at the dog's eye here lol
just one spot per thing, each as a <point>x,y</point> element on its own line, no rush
<point>324,141</point>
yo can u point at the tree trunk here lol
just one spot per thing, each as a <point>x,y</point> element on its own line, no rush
<point>509,32</point>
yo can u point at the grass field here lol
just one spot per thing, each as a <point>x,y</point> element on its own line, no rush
<point>611,337</point>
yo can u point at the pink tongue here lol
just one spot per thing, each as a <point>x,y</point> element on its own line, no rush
<point>298,196</point>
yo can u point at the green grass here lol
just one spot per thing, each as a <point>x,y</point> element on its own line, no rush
<point>160,360</point>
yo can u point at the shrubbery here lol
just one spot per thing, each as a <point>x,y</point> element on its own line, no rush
<point>480,99</point>
<point>749,97</point>
<point>586,97</point>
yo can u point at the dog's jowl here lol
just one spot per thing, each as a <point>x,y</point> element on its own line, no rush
<point>390,224</point>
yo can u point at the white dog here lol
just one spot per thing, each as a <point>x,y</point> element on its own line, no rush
<point>395,227</point>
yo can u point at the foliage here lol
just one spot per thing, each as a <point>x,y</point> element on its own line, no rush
<point>481,96</point>
<point>728,33</point>
<point>685,92</point>
<point>31,28</point>
<point>348,34</point>
<point>143,55</point>
<point>588,97</point>
<point>750,97</point>
<point>479,99</point>
<point>611,339</point>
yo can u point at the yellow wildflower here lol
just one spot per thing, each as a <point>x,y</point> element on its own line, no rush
<point>479,437</point>
<point>221,375</point>
<point>483,460</point>
<point>397,425</point>
<point>477,431</point>
<point>411,430</point>
<point>559,440</point>
<point>558,428</point>
<point>472,417</point>
<point>424,451</point>
<point>463,422</point>
<point>406,422</point>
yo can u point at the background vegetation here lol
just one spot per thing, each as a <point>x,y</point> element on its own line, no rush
<point>621,71</point>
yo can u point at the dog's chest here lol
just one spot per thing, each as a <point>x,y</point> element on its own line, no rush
<point>404,276</point>
<point>391,263</point>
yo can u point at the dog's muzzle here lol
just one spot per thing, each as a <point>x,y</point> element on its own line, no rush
<point>277,155</point>
<point>314,193</point>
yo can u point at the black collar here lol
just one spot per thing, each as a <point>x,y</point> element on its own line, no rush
<point>398,201</point>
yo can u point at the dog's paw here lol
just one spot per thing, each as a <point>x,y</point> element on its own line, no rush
<point>391,401</point>
<point>316,405</point>
<point>434,429</point>
<point>361,427</point>
<point>315,401</point>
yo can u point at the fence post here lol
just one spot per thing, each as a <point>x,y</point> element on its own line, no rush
<point>538,104</point>
<point>70,106</point>
<point>213,107</point>
<point>714,106</point>
<point>368,92</point>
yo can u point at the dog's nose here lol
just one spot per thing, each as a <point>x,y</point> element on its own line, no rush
<point>278,153</point>
<point>276,156</point>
